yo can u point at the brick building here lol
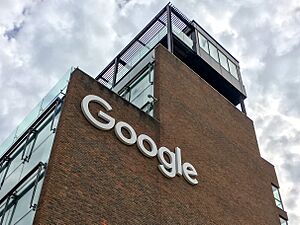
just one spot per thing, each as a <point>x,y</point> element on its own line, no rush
<point>156,138</point>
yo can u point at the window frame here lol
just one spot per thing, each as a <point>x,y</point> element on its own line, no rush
<point>275,188</point>
<point>217,51</point>
<point>125,92</point>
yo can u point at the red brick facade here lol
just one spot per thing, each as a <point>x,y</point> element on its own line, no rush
<point>93,178</point>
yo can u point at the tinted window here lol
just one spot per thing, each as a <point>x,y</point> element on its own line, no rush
<point>203,43</point>
<point>213,52</point>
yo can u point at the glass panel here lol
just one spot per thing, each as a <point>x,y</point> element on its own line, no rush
<point>276,192</point>
<point>139,87</point>
<point>11,180</point>
<point>278,204</point>
<point>203,43</point>
<point>224,61</point>
<point>38,145</point>
<point>7,142</point>
<point>141,53</point>
<point>143,98</point>
<point>20,209</point>
<point>138,92</point>
<point>159,35</point>
<point>277,197</point>
<point>213,52</point>
<point>29,119</point>
<point>233,69</point>
<point>57,90</point>
<point>182,36</point>
<point>23,207</point>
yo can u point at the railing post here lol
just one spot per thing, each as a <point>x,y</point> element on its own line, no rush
<point>115,71</point>
<point>195,40</point>
<point>169,28</point>
<point>243,107</point>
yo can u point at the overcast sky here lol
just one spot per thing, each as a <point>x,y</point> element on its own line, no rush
<point>41,40</point>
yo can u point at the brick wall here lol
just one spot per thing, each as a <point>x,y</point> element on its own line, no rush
<point>93,178</point>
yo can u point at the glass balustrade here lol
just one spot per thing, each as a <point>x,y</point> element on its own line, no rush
<point>58,90</point>
<point>22,167</point>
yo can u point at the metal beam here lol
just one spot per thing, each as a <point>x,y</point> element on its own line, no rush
<point>115,71</point>
<point>169,29</point>
<point>243,107</point>
<point>140,34</point>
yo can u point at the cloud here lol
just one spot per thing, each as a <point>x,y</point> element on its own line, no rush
<point>40,40</point>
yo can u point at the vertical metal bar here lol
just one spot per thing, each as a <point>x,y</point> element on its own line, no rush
<point>4,210</point>
<point>243,107</point>
<point>197,42</point>
<point>194,38</point>
<point>26,143</point>
<point>35,187</point>
<point>26,156</point>
<point>34,134</point>
<point>115,71</point>
<point>52,128</point>
<point>169,28</point>
<point>12,213</point>
<point>6,171</point>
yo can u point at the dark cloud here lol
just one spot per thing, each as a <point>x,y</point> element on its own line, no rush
<point>12,33</point>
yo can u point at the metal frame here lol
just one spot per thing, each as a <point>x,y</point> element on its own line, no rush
<point>25,135</point>
<point>168,18</point>
<point>38,171</point>
<point>21,182</point>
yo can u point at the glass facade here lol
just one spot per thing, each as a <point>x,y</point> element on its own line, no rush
<point>213,51</point>
<point>138,55</point>
<point>140,92</point>
<point>223,61</point>
<point>182,36</point>
<point>217,55</point>
<point>277,197</point>
<point>203,43</point>
<point>23,162</point>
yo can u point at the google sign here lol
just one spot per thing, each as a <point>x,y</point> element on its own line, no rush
<point>170,162</point>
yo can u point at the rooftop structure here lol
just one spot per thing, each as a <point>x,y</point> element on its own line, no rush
<point>187,40</point>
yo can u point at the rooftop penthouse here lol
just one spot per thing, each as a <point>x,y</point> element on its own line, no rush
<point>131,72</point>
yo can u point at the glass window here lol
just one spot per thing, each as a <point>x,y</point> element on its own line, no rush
<point>33,149</point>
<point>139,91</point>
<point>203,43</point>
<point>224,61</point>
<point>277,197</point>
<point>233,69</point>
<point>213,51</point>
<point>283,221</point>
<point>19,208</point>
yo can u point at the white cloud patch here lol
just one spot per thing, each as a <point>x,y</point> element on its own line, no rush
<point>40,40</point>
